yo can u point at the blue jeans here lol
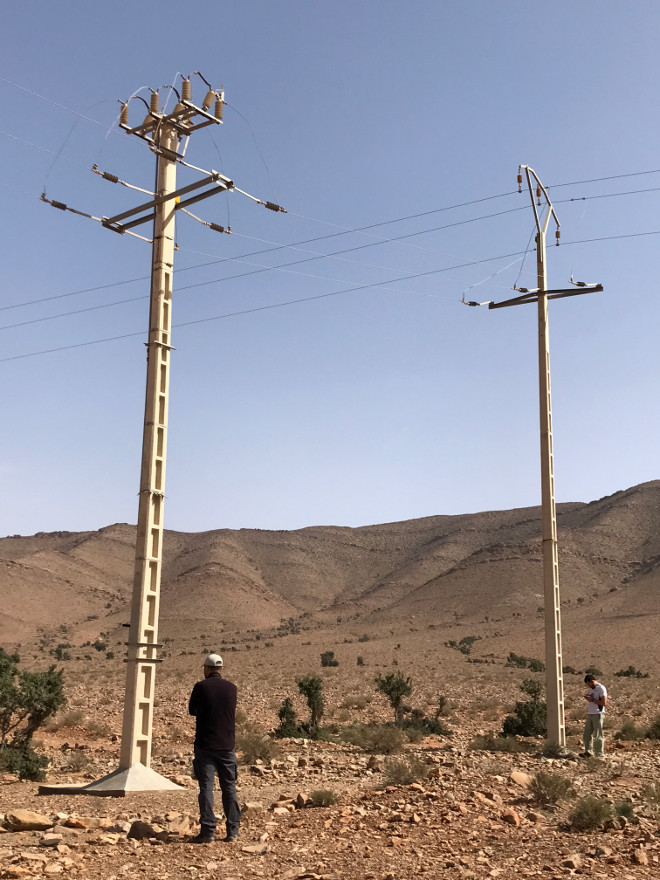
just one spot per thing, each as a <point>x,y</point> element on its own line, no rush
<point>206,765</point>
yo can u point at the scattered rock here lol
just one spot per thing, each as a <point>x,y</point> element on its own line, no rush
<point>27,820</point>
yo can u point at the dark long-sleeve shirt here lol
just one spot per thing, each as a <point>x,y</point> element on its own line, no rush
<point>213,703</point>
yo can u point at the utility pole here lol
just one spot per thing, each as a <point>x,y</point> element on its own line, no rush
<point>556,730</point>
<point>167,136</point>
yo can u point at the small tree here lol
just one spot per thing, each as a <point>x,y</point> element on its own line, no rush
<point>27,700</point>
<point>288,720</point>
<point>395,687</point>
<point>311,687</point>
<point>529,718</point>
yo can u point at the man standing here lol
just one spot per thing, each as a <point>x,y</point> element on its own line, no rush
<point>213,703</point>
<point>593,727</point>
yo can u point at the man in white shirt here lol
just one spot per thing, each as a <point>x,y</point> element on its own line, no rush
<point>593,727</point>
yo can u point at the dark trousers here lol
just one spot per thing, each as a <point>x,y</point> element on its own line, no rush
<point>206,765</point>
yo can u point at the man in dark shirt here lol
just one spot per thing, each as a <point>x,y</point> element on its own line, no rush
<point>213,703</point>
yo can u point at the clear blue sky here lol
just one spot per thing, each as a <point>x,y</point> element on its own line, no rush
<point>385,403</point>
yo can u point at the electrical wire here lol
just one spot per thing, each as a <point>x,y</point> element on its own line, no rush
<point>250,311</point>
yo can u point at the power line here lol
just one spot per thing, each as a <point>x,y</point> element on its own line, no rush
<point>266,307</point>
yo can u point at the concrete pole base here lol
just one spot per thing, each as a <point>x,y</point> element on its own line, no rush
<point>118,783</point>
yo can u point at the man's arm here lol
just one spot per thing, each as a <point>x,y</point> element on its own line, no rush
<point>193,702</point>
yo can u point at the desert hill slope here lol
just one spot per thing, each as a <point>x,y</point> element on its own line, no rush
<point>440,569</point>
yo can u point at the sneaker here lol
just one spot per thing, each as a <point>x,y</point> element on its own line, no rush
<point>586,755</point>
<point>203,837</point>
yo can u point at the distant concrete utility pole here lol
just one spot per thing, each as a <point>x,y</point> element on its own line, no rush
<point>164,133</point>
<point>556,731</point>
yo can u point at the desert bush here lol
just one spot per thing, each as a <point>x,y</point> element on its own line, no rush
<point>97,729</point>
<point>360,660</point>
<point>593,670</point>
<point>76,762</point>
<point>355,701</point>
<point>418,722</point>
<point>364,638</point>
<point>61,652</point>
<point>71,718</point>
<point>630,731</point>
<point>443,706</point>
<point>254,744</point>
<point>99,644</point>
<point>653,731</point>
<point>23,761</point>
<point>381,739</point>
<point>395,686</point>
<point>288,725</point>
<point>516,660</point>
<point>521,662</point>
<point>651,794</point>
<point>569,670</point>
<point>311,687</point>
<point>590,813</point>
<point>322,798</point>
<point>405,770</point>
<point>529,718</point>
<point>625,809</point>
<point>490,743</point>
<point>547,788</point>
<point>631,672</point>
<point>328,659</point>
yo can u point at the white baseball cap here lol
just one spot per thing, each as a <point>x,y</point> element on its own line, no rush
<point>214,661</point>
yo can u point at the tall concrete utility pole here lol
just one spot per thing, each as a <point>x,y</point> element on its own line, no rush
<point>556,731</point>
<point>164,133</point>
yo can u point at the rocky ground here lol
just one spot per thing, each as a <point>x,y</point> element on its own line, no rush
<point>471,815</point>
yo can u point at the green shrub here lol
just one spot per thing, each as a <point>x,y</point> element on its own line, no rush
<point>322,798</point>
<point>490,743</point>
<point>535,665</point>
<point>593,670</point>
<point>254,744</point>
<point>364,638</point>
<point>311,687</point>
<point>381,739</point>
<point>653,731</point>
<point>61,652</point>
<point>630,731</point>
<point>516,660</point>
<point>395,686</point>
<point>547,788</point>
<point>360,660</point>
<point>23,761</point>
<point>590,813</point>
<point>288,726</point>
<point>631,672</point>
<point>404,771</point>
<point>27,701</point>
<point>625,809</point>
<point>529,718</point>
<point>328,659</point>
<point>569,670</point>
<point>417,722</point>
<point>99,644</point>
